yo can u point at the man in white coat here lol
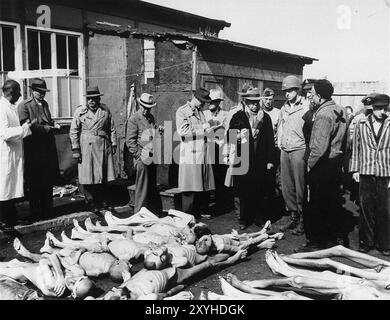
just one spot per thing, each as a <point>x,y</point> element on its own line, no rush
<point>11,155</point>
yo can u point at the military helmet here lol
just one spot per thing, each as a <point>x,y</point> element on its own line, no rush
<point>291,82</point>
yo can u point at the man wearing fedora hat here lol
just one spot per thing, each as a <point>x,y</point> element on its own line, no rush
<point>254,126</point>
<point>93,138</point>
<point>217,118</point>
<point>41,169</point>
<point>141,131</point>
<point>196,176</point>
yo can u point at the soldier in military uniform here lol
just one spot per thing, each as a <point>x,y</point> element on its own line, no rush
<point>140,135</point>
<point>41,170</point>
<point>93,138</point>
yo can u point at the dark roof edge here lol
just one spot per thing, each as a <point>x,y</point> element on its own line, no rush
<point>220,23</point>
<point>202,38</point>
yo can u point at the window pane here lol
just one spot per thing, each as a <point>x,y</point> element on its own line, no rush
<point>61,51</point>
<point>73,54</point>
<point>8,48</point>
<point>75,93</point>
<point>63,106</point>
<point>33,54</point>
<point>45,51</point>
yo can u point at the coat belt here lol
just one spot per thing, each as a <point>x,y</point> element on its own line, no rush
<point>100,133</point>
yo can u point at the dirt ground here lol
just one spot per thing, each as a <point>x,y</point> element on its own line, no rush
<point>254,267</point>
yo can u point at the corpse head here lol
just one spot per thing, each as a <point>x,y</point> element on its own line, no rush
<point>204,244</point>
<point>188,235</point>
<point>200,229</point>
<point>156,258</point>
<point>80,287</point>
<point>117,268</point>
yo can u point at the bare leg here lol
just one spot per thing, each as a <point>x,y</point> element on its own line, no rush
<point>233,280</point>
<point>253,241</point>
<point>20,249</point>
<point>231,291</point>
<point>340,251</point>
<point>267,244</point>
<point>99,228</point>
<point>326,263</point>
<point>139,218</point>
<point>262,284</point>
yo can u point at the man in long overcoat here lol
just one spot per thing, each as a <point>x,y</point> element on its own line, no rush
<point>93,138</point>
<point>254,127</point>
<point>41,168</point>
<point>11,155</point>
<point>141,132</point>
<point>196,177</point>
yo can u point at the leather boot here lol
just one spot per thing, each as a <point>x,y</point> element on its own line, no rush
<point>293,223</point>
<point>299,230</point>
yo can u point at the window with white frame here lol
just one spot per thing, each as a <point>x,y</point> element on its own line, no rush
<point>10,49</point>
<point>149,59</point>
<point>57,56</point>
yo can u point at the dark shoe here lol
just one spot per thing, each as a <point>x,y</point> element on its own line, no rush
<point>299,230</point>
<point>25,221</point>
<point>309,247</point>
<point>343,241</point>
<point>293,223</point>
<point>385,253</point>
<point>364,248</point>
<point>11,232</point>
<point>243,226</point>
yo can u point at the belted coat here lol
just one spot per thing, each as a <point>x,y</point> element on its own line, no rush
<point>195,164</point>
<point>94,134</point>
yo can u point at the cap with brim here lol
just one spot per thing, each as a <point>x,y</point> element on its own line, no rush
<point>93,92</point>
<point>146,100</point>
<point>376,100</point>
<point>253,94</point>
<point>38,84</point>
<point>202,94</point>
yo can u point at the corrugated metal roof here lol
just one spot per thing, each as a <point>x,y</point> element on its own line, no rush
<point>202,38</point>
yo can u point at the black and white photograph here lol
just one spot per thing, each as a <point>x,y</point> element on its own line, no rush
<point>201,153</point>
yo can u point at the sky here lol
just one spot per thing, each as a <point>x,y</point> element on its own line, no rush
<point>351,38</point>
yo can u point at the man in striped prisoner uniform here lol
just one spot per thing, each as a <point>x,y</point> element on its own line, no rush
<point>371,167</point>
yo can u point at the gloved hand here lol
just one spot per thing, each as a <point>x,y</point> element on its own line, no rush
<point>77,154</point>
<point>113,148</point>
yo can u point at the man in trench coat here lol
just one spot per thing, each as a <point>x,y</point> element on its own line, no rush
<point>41,170</point>
<point>11,155</point>
<point>196,177</point>
<point>93,139</point>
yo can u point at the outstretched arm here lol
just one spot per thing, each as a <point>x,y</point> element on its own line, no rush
<point>217,261</point>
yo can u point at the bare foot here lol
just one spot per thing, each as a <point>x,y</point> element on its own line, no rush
<point>17,245</point>
<point>76,223</point>
<point>89,225</point>
<point>184,295</point>
<point>47,246</point>
<point>64,237</point>
<point>240,254</point>
<point>267,244</point>
<point>277,236</point>
<point>267,225</point>
<point>75,235</point>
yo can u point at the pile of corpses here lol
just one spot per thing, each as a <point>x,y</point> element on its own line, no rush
<point>172,249</point>
<point>331,279</point>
